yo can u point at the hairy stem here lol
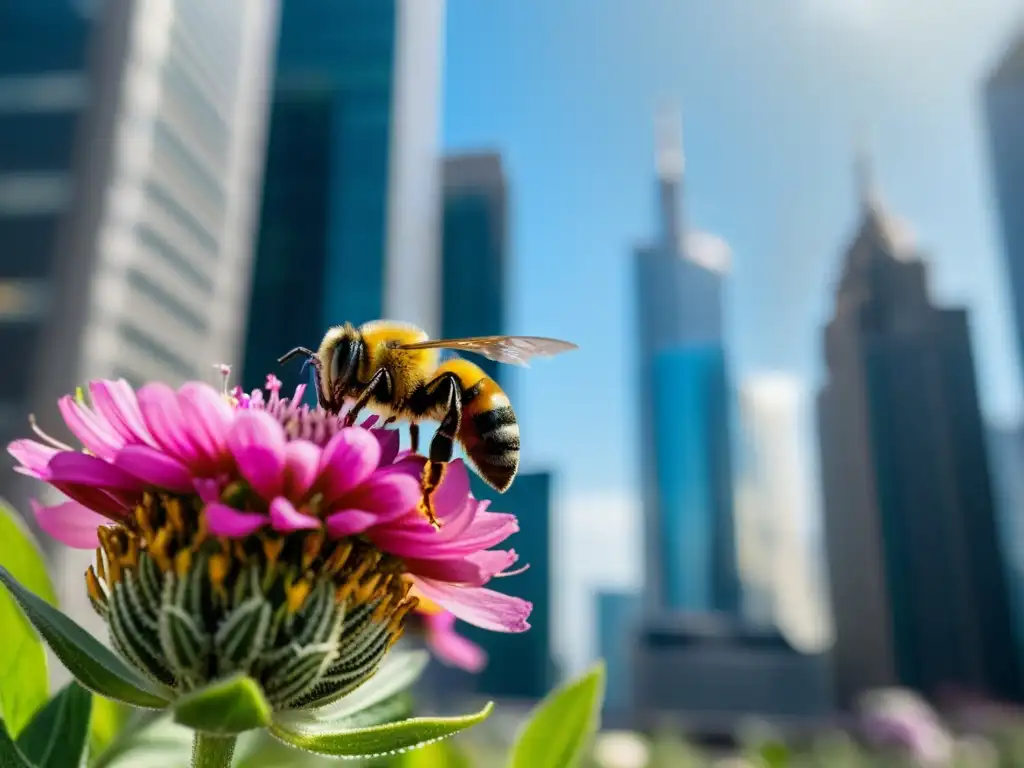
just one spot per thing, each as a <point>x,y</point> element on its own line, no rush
<point>210,751</point>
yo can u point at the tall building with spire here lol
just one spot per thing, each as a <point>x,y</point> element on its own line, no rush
<point>917,586</point>
<point>685,450</point>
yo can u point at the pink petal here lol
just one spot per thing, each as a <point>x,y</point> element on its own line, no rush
<point>82,469</point>
<point>256,440</point>
<point>347,460</point>
<point>452,571</point>
<point>115,402</point>
<point>227,521</point>
<point>70,523</point>
<point>452,648</point>
<point>390,495</point>
<point>207,418</point>
<point>98,437</point>
<point>488,529</point>
<point>301,464</point>
<point>99,501</point>
<point>286,518</point>
<point>162,415</point>
<point>473,570</point>
<point>369,421</point>
<point>33,457</point>
<point>154,468</point>
<point>481,607</point>
<point>389,443</point>
<point>451,495</point>
<point>349,522</point>
<point>208,489</point>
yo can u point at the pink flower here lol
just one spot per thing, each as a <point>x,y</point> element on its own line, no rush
<point>438,628</point>
<point>263,465</point>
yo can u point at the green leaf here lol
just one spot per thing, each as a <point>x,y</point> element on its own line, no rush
<point>376,741</point>
<point>109,718</point>
<point>93,664</point>
<point>151,740</point>
<point>10,755</point>
<point>440,753</point>
<point>227,707</point>
<point>57,736</point>
<point>24,685</point>
<point>560,727</point>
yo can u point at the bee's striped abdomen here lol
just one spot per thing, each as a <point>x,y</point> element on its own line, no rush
<point>489,432</point>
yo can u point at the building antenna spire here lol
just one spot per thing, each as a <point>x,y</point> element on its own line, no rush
<point>864,172</point>
<point>669,159</point>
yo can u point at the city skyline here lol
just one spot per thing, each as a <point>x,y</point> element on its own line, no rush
<point>780,194</point>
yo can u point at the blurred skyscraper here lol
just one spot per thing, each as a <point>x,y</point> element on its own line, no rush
<point>916,569</point>
<point>618,623</point>
<point>131,145</point>
<point>474,251</point>
<point>686,472</point>
<point>1004,113</point>
<point>773,532</point>
<point>1006,447</point>
<point>349,227</point>
<point>521,665</point>
<point>475,292</point>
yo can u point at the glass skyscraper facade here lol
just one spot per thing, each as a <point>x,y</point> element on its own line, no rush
<point>685,443</point>
<point>1004,114</point>
<point>349,225</point>
<point>618,616</point>
<point>692,462</point>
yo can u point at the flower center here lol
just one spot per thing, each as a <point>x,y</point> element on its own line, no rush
<point>307,616</point>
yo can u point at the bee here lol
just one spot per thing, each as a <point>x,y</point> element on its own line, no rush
<point>394,369</point>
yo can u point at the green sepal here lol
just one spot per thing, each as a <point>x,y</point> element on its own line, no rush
<point>24,683</point>
<point>374,702</point>
<point>560,727</point>
<point>225,708</point>
<point>57,737</point>
<point>94,665</point>
<point>376,741</point>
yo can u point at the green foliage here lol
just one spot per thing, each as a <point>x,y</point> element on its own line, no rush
<point>559,729</point>
<point>375,741</point>
<point>109,719</point>
<point>23,679</point>
<point>57,737</point>
<point>94,665</point>
<point>226,707</point>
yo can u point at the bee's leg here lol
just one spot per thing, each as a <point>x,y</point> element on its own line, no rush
<point>444,389</point>
<point>414,436</point>
<point>379,386</point>
<point>389,420</point>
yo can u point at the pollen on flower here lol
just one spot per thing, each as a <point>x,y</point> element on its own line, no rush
<point>282,597</point>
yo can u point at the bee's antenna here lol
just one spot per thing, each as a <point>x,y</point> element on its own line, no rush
<point>290,355</point>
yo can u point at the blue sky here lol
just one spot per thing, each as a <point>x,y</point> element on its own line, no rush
<point>773,93</point>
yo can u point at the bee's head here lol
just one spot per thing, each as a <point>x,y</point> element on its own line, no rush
<point>343,369</point>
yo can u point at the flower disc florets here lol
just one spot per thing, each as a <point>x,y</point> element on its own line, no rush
<point>250,533</point>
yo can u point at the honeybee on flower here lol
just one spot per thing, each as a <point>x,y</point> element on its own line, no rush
<point>248,533</point>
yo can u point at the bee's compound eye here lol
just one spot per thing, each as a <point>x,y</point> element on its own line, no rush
<point>338,358</point>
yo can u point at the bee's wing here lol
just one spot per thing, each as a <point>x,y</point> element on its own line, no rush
<point>503,349</point>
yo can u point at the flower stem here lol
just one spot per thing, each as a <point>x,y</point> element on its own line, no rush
<point>211,751</point>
